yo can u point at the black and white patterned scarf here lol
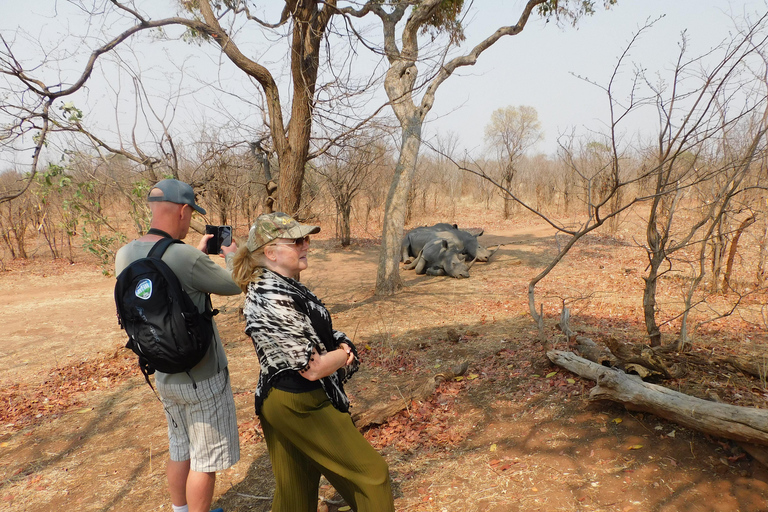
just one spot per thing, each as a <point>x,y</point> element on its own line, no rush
<point>285,321</point>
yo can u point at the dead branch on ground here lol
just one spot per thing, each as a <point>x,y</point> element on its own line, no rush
<point>378,414</point>
<point>741,424</point>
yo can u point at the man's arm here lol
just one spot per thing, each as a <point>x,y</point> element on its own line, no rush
<point>208,277</point>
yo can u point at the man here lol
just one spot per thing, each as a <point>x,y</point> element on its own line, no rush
<point>202,427</point>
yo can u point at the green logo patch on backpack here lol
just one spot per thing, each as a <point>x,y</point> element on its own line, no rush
<point>144,289</point>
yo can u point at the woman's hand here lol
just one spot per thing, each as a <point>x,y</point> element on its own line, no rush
<point>350,355</point>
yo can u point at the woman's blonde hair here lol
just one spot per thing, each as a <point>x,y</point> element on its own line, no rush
<point>247,265</point>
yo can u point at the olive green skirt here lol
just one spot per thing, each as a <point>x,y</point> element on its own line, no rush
<point>306,437</point>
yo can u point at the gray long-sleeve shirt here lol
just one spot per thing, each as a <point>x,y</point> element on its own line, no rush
<point>198,275</point>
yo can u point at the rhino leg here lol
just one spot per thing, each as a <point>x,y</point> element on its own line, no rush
<point>405,251</point>
<point>420,264</point>
<point>435,271</point>
<point>410,265</point>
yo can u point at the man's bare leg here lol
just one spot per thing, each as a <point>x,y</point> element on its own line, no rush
<point>200,491</point>
<point>190,487</point>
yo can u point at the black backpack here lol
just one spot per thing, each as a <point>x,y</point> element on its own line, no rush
<point>164,327</point>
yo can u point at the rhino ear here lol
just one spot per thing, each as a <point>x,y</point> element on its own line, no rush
<point>480,233</point>
<point>444,243</point>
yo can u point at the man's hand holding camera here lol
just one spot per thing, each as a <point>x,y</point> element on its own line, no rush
<point>225,249</point>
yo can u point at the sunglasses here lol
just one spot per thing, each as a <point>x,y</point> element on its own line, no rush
<point>296,241</point>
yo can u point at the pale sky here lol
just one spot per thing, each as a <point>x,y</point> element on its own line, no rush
<point>537,66</point>
<point>534,68</point>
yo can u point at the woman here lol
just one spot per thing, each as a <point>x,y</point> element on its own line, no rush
<point>300,398</point>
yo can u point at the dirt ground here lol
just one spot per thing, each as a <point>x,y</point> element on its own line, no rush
<point>82,430</point>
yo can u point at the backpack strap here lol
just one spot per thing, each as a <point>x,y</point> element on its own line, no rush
<point>157,251</point>
<point>160,247</point>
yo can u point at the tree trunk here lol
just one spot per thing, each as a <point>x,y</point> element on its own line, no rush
<point>48,230</point>
<point>656,248</point>
<point>305,58</point>
<point>732,251</point>
<point>388,280</point>
<point>16,237</point>
<point>731,422</point>
<point>508,176</point>
<point>718,249</point>
<point>762,262</point>
<point>683,339</point>
<point>346,230</point>
<point>615,204</point>
<point>261,159</point>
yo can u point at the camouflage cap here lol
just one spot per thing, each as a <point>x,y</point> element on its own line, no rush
<point>270,226</point>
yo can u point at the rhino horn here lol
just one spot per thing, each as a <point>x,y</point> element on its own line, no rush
<point>491,253</point>
<point>469,266</point>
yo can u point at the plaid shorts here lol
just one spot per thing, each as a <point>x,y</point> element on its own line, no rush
<point>202,426</point>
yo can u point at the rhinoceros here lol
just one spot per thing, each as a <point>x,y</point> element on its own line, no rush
<point>439,257</point>
<point>464,241</point>
<point>473,251</point>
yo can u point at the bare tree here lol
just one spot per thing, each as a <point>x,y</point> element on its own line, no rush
<point>346,170</point>
<point>214,23</point>
<point>708,110</point>
<point>511,132</point>
<point>541,176</point>
<point>15,216</point>
<point>402,47</point>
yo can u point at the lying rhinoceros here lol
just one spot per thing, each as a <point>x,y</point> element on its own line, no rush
<point>465,242</point>
<point>438,258</point>
<point>473,251</point>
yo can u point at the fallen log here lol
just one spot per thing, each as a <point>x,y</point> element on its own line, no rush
<point>593,352</point>
<point>757,369</point>
<point>741,424</point>
<point>641,360</point>
<point>378,414</point>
